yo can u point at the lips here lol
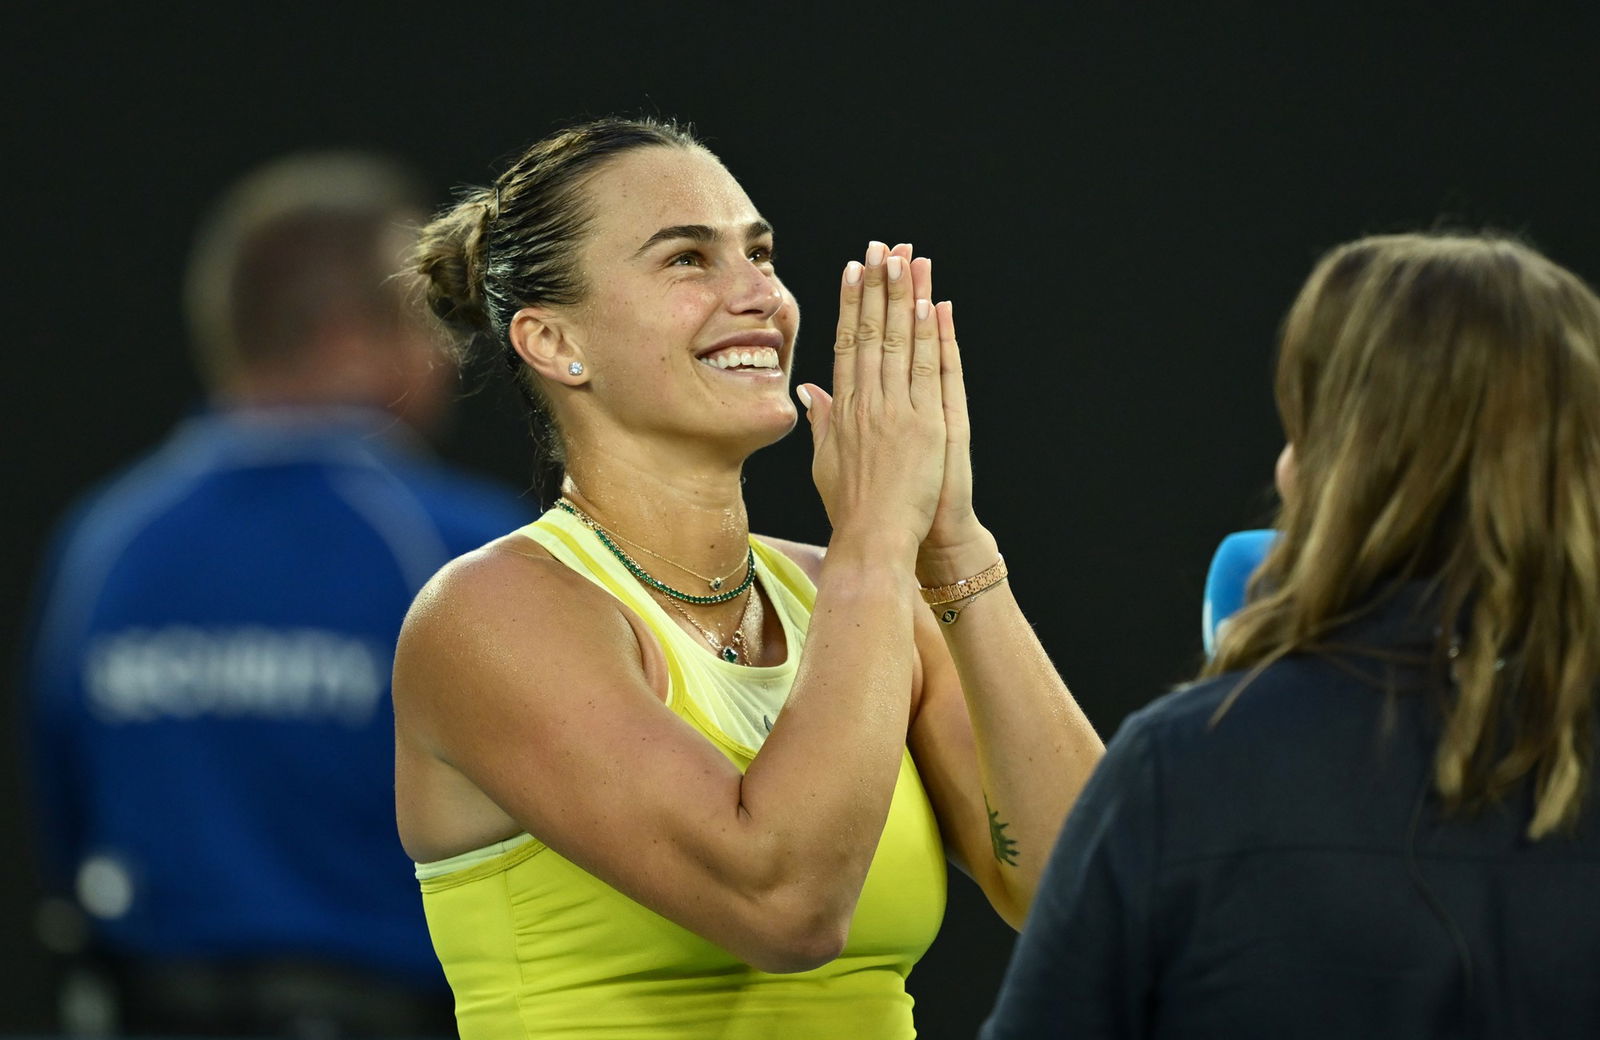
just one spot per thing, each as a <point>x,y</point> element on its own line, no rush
<point>749,340</point>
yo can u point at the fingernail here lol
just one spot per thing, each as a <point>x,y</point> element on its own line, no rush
<point>852,273</point>
<point>804,395</point>
<point>875,252</point>
<point>896,265</point>
<point>923,309</point>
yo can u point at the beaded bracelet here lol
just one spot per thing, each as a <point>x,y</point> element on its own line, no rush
<point>939,595</point>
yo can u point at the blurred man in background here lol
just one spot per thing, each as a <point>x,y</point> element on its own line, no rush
<point>210,707</point>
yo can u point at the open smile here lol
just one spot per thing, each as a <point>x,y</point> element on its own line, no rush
<point>742,358</point>
<point>757,352</point>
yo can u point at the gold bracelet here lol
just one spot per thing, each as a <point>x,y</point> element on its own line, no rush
<point>939,595</point>
<point>952,610</point>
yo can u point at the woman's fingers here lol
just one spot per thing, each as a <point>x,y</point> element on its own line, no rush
<point>846,334</point>
<point>819,407</point>
<point>922,278</point>
<point>883,454</point>
<point>953,386</point>
<point>925,350</point>
<point>870,319</point>
<point>899,319</point>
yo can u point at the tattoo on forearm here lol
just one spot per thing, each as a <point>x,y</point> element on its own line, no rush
<point>1005,849</point>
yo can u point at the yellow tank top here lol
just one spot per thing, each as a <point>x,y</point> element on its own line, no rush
<point>533,946</point>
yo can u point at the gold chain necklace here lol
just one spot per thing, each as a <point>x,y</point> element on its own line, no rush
<point>733,649</point>
<point>715,584</point>
<point>650,579</point>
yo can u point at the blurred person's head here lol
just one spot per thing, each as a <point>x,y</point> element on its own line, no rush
<point>1441,400</point>
<point>602,267</point>
<point>292,293</point>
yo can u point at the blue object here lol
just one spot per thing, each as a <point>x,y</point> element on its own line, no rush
<point>1235,560</point>
<point>213,736</point>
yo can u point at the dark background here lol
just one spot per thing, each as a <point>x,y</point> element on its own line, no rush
<point>1121,199</point>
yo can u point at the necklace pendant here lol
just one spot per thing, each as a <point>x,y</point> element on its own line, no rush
<point>716,584</point>
<point>730,655</point>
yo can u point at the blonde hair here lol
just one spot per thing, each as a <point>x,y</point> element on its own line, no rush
<point>1442,394</point>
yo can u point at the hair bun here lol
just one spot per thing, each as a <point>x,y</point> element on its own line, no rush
<point>451,255</point>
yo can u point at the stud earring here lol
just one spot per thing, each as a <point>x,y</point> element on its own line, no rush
<point>575,369</point>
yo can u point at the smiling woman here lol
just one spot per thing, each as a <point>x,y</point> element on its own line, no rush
<point>662,778</point>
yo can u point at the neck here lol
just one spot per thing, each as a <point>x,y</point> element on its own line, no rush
<point>692,513</point>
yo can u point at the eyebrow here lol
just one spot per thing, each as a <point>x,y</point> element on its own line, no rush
<point>703,234</point>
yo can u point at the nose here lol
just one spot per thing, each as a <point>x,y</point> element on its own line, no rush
<point>754,289</point>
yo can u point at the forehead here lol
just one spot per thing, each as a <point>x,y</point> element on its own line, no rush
<point>651,188</point>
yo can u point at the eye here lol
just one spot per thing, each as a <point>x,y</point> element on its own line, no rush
<point>692,258</point>
<point>763,255</point>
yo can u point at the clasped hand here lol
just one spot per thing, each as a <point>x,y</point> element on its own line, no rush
<point>892,442</point>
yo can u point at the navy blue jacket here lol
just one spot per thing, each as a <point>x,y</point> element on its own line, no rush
<point>1287,873</point>
<point>213,742</point>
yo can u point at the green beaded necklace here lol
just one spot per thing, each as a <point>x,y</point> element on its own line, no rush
<point>650,579</point>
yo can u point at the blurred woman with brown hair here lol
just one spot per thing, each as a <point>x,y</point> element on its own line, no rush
<point>1375,814</point>
<point>663,778</point>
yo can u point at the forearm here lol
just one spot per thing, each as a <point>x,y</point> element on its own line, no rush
<point>821,787</point>
<point>1035,747</point>
<point>819,791</point>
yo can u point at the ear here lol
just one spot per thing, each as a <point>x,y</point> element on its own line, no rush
<point>544,340</point>
<point>1283,473</point>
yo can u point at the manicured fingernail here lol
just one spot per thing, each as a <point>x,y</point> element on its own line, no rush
<point>896,268</point>
<point>804,395</point>
<point>875,253</point>
<point>852,273</point>
<point>923,310</point>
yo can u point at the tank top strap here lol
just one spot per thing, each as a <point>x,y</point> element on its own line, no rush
<point>801,592</point>
<point>788,587</point>
<point>570,542</point>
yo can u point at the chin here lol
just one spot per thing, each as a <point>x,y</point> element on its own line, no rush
<point>772,425</point>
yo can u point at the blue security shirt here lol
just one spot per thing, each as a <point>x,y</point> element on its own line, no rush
<point>214,740</point>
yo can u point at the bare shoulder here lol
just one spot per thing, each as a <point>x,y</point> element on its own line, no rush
<point>508,578</point>
<point>807,557</point>
<point>502,608</point>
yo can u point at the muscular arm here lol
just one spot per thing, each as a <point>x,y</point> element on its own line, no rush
<point>534,691</point>
<point>1003,746</point>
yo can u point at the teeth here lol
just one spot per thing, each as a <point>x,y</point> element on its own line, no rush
<point>753,357</point>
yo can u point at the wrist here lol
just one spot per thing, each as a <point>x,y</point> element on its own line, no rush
<point>953,561</point>
<point>873,547</point>
<point>864,579</point>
